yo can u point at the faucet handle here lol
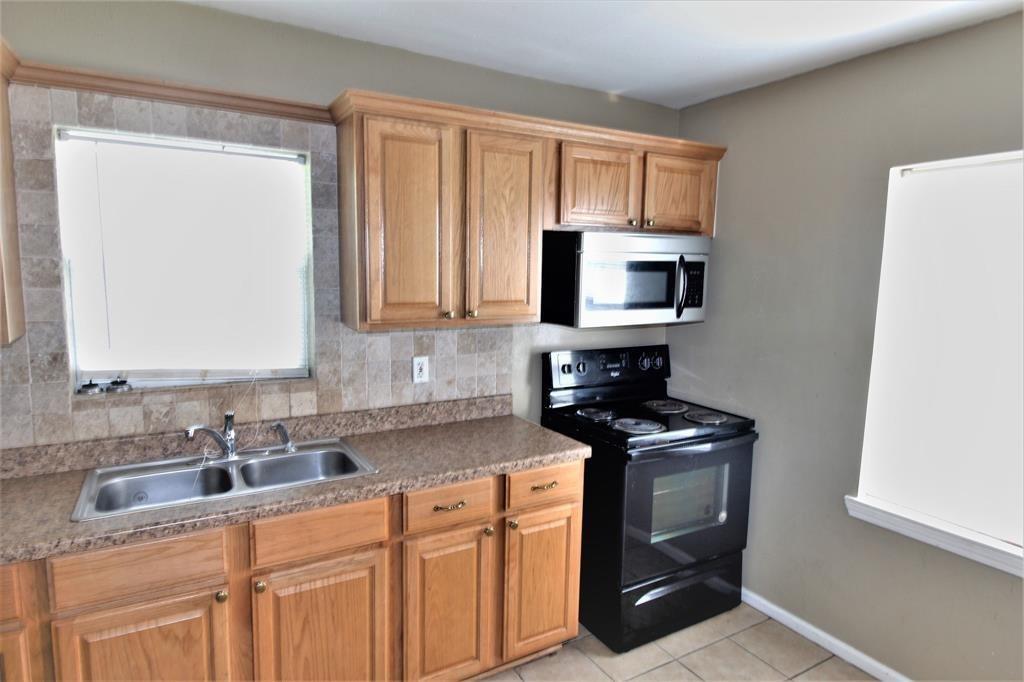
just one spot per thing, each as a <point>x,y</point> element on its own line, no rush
<point>282,432</point>
<point>229,421</point>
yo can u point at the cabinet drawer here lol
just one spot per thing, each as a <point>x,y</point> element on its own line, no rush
<point>538,486</point>
<point>449,505</point>
<point>118,572</point>
<point>321,531</point>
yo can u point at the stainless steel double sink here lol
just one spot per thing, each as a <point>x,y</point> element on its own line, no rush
<point>109,491</point>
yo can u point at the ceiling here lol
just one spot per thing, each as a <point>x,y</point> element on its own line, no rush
<point>667,52</point>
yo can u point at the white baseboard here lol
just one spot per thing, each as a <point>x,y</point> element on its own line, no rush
<point>823,639</point>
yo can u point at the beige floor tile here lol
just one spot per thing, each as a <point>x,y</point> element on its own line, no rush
<point>509,675</point>
<point>583,633</point>
<point>710,631</point>
<point>834,668</point>
<point>670,672</point>
<point>781,648</point>
<point>727,660</point>
<point>623,666</point>
<point>568,664</point>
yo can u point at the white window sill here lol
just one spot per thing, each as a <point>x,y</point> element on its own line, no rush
<point>976,546</point>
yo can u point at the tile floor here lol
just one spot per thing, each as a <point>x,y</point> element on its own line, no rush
<point>742,644</point>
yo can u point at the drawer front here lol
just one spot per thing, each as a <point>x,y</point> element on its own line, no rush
<point>322,531</point>
<point>119,572</point>
<point>449,505</point>
<point>539,486</point>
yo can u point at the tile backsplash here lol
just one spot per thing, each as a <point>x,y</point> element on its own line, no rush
<point>352,370</point>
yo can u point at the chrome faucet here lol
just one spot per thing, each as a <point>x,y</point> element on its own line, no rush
<point>282,433</point>
<point>225,440</point>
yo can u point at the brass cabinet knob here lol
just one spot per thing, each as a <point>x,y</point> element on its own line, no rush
<point>631,222</point>
<point>650,222</point>
<point>489,531</point>
<point>448,315</point>
<point>221,596</point>
<point>513,524</point>
<point>473,313</point>
<point>260,587</point>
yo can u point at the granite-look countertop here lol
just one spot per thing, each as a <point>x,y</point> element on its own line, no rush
<point>35,511</point>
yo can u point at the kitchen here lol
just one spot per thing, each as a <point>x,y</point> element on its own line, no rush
<point>431,346</point>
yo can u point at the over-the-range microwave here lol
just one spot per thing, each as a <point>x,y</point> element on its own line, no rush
<point>614,279</point>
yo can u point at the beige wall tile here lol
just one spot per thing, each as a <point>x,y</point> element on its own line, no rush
<point>44,305</point>
<point>126,421</point>
<point>303,403</point>
<point>96,110</point>
<point>133,115</point>
<point>48,428</point>
<point>39,241</point>
<point>37,207</point>
<point>63,107</point>
<point>90,424</point>
<point>170,119</point>
<point>295,135</point>
<point>34,175</point>
<point>16,430</point>
<point>29,103</point>
<point>40,273</point>
<point>31,140</point>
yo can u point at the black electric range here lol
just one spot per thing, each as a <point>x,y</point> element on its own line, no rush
<point>666,493</point>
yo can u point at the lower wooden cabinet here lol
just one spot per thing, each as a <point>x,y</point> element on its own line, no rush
<point>323,621</point>
<point>14,656</point>
<point>174,638</point>
<point>542,577</point>
<point>449,603</point>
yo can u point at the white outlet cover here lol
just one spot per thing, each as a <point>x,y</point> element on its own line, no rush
<point>420,369</point>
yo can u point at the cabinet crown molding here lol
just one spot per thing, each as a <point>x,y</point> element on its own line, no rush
<point>369,102</point>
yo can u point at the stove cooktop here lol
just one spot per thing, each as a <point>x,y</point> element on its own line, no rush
<point>637,423</point>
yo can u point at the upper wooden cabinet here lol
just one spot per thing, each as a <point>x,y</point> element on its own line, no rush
<point>442,206</point>
<point>504,186</point>
<point>410,223</point>
<point>679,194</point>
<point>600,186</point>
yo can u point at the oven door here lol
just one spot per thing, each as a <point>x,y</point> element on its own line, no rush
<point>619,289</point>
<point>685,504</point>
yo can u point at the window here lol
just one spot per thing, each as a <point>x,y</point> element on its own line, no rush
<point>186,262</point>
<point>943,453</point>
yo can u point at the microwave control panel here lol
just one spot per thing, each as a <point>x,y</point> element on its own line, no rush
<point>694,285</point>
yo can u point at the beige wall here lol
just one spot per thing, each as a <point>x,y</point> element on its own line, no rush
<point>200,46</point>
<point>788,339</point>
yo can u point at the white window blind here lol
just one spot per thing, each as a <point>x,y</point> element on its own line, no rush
<point>186,262</point>
<point>944,431</point>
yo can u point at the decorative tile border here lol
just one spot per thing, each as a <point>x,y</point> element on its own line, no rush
<point>74,456</point>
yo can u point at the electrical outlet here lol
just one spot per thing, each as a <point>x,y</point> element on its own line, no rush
<point>420,369</point>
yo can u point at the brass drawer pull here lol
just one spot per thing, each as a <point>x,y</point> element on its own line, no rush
<point>260,587</point>
<point>546,486</point>
<point>461,504</point>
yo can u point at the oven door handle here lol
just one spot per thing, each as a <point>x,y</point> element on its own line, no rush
<point>682,286</point>
<point>695,448</point>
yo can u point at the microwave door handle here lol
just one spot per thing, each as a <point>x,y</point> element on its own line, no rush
<point>682,286</point>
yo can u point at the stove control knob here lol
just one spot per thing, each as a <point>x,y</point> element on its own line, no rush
<point>567,368</point>
<point>581,367</point>
<point>645,362</point>
<point>659,362</point>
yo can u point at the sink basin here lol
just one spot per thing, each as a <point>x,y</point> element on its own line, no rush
<point>158,489</point>
<point>109,491</point>
<point>301,467</point>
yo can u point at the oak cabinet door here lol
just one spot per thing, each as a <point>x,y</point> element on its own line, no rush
<point>324,621</point>
<point>409,184</point>
<point>174,638</point>
<point>504,192</point>
<point>14,656</point>
<point>542,579</point>
<point>600,186</point>
<point>679,194</point>
<point>449,604</point>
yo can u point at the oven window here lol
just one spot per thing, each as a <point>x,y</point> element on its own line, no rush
<point>630,285</point>
<point>688,501</point>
